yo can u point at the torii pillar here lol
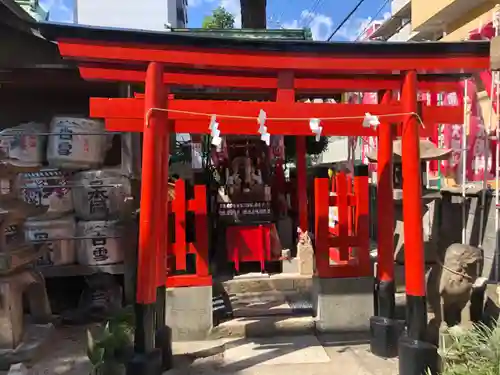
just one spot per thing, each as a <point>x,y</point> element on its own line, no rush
<point>416,356</point>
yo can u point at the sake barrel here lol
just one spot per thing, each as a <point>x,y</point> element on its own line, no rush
<point>99,243</point>
<point>77,143</point>
<point>23,146</point>
<point>46,188</point>
<point>101,194</point>
<point>58,234</point>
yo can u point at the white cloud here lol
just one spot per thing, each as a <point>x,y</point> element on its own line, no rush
<point>354,28</point>
<point>321,25</point>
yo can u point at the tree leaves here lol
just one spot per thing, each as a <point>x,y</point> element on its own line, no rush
<point>473,351</point>
<point>220,19</point>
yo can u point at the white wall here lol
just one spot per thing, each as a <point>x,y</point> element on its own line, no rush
<point>338,151</point>
<point>151,15</point>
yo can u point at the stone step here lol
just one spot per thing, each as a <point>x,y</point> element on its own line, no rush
<point>290,303</point>
<point>265,326</point>
<point>260,297</point>
<point>258,283</point>
<point>264,309</point>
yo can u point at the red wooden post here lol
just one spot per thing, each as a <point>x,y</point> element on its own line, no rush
<point>161,193</point>
<point>362,221</point>
<point>302,182</point>
<point>343,208</point>
<point>321,233</point>
<point>433,166</point>
<point>415,355</point>
<point>199,207</point>
<point>385,331</point>
<point>412,210</point>
<point>199,247</point>
<point>146,259</point>
<point>385,218</point>
<point>179,208</point>
<point>350,208</point>
<point>286,94</point>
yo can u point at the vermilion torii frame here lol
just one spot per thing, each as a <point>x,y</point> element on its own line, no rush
<point>167,59</point>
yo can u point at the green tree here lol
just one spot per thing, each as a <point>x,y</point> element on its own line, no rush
<point>220,19</point>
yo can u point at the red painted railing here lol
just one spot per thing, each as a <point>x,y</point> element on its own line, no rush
<point>342,251</point>
<point>178,250</point>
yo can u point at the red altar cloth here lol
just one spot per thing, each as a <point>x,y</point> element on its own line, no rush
<point>249,244</point>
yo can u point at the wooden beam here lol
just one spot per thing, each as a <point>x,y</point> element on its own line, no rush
<point>320,84</point>
<point>88,50</point>
<point>131,108</point>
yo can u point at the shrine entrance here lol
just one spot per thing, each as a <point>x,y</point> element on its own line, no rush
<point>282,70</point>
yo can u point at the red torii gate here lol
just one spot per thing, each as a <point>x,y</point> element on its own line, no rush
<point>161,59</point>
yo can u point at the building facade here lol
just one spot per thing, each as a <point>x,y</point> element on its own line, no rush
<point>397,28</point>
<point>34,9</point>
<point>152,15</point>
<point>451,20</point>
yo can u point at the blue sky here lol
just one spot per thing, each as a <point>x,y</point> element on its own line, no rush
<point>322,16</point>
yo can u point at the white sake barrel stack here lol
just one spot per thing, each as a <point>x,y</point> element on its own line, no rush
<point>23,146</point>
<point>46,188</point>
<point>62,248</point>
<point>81,143</point>
<point>101,194</point>
<point>100,244</point>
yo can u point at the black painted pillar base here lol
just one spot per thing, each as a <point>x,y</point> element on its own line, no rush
<point>384,329</point>
<point>163,333</point>
<point>417,357</point>
<point>163,342</point>
<point>477,304</point>
<point>384,336</point>
<point>146,360</point>
<point>145,363</point>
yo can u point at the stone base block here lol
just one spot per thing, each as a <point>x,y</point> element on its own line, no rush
<point>189,312</point>
<point>290,265</point>
<point>343,304</point>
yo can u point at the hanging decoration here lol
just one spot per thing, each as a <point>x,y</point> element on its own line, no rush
<point>370,121</point>
<point>264,135</point>
<point>316,128</point>
<point>214,131</point>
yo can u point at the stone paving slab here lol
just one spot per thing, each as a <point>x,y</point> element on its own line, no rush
<point>265,326</point>
<point>274,351</point>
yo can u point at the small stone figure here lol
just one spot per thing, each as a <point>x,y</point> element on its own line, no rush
<point>450,285</point>
<point>305,253</point>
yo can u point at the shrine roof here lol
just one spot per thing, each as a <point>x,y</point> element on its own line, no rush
<point>306,58</point>
<point>54,31</point>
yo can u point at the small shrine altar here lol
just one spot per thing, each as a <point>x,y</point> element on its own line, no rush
<point>248,201</point>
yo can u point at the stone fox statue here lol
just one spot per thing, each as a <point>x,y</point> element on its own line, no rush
<point>450,287</point>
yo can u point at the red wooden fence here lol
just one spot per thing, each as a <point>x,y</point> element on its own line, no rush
<point>344,250</point>
<point>177,252</point>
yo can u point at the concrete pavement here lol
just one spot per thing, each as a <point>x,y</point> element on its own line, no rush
<point>290,355</point>
<point>287,355</point>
